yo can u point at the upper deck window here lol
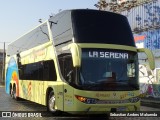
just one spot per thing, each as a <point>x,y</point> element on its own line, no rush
<point>36,37</point>
<point>92,26</point>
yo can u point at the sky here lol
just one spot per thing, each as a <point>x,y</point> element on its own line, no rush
<point>17,17</point>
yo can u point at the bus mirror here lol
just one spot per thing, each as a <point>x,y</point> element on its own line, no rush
<point>150,57</point>
<point>76,54</point>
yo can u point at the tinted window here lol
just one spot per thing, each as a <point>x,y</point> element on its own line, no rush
<point>61,27</point>
<point>91,26</point>
<point>34,38</point>
<point>44,70</point>
<point>67,69</point>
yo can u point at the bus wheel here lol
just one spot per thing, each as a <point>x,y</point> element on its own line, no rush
<point>11,93</point>
<point>51,103</point>
<point>14,96</point>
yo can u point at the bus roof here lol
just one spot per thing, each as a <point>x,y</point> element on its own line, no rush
<point>84,25</point>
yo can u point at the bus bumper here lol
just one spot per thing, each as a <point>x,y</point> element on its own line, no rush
<point>104,109</point>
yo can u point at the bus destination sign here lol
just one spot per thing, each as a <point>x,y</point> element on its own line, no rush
<point>102,54</point>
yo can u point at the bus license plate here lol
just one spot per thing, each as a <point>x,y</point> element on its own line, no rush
<point>121,109</point>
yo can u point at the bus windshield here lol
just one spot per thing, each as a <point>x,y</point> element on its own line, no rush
<point>103,69</point>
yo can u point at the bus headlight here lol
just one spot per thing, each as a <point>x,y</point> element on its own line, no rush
<point>86,99</point>
<point>134,99</point>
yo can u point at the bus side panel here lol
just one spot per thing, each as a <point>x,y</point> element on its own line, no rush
<point>68,97</point>
<point>60,96</point>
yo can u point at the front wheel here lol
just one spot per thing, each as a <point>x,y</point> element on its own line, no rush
<point>51,103</point>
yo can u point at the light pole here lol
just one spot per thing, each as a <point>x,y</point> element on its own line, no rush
<point>3,70</point>
<point>3,62</point>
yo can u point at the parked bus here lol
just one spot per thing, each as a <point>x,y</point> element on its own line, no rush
<point>80,61</point>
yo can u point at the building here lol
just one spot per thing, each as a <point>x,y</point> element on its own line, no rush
<point>145,24</point>
<point>144,19</point>
<point>1,63</point>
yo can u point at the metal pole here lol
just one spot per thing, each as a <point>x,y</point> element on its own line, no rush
<point>3,70</point>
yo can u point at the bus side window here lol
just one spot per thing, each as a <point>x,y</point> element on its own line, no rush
<point>43,70</point>
<point>21,70</point>
<point>61,64</point>
<point>46,71</point>
<point>66,66</point>
<point>49,72</point>
<point>68,69</point>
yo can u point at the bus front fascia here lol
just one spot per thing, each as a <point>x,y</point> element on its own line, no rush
<point>150,57</point>
<point>76,52</point>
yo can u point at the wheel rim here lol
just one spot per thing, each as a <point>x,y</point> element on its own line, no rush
<point>52,104</point>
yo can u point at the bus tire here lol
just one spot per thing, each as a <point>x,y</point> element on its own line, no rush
<point>51,103</point>
<point>14,96</point>
<point>11,93</point>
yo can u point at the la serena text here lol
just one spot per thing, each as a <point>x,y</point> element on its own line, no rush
<point>96,54</point>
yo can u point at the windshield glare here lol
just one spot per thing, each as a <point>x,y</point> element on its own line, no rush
<point>106,67</point>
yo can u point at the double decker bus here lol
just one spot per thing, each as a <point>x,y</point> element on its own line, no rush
<point>77,61</point>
